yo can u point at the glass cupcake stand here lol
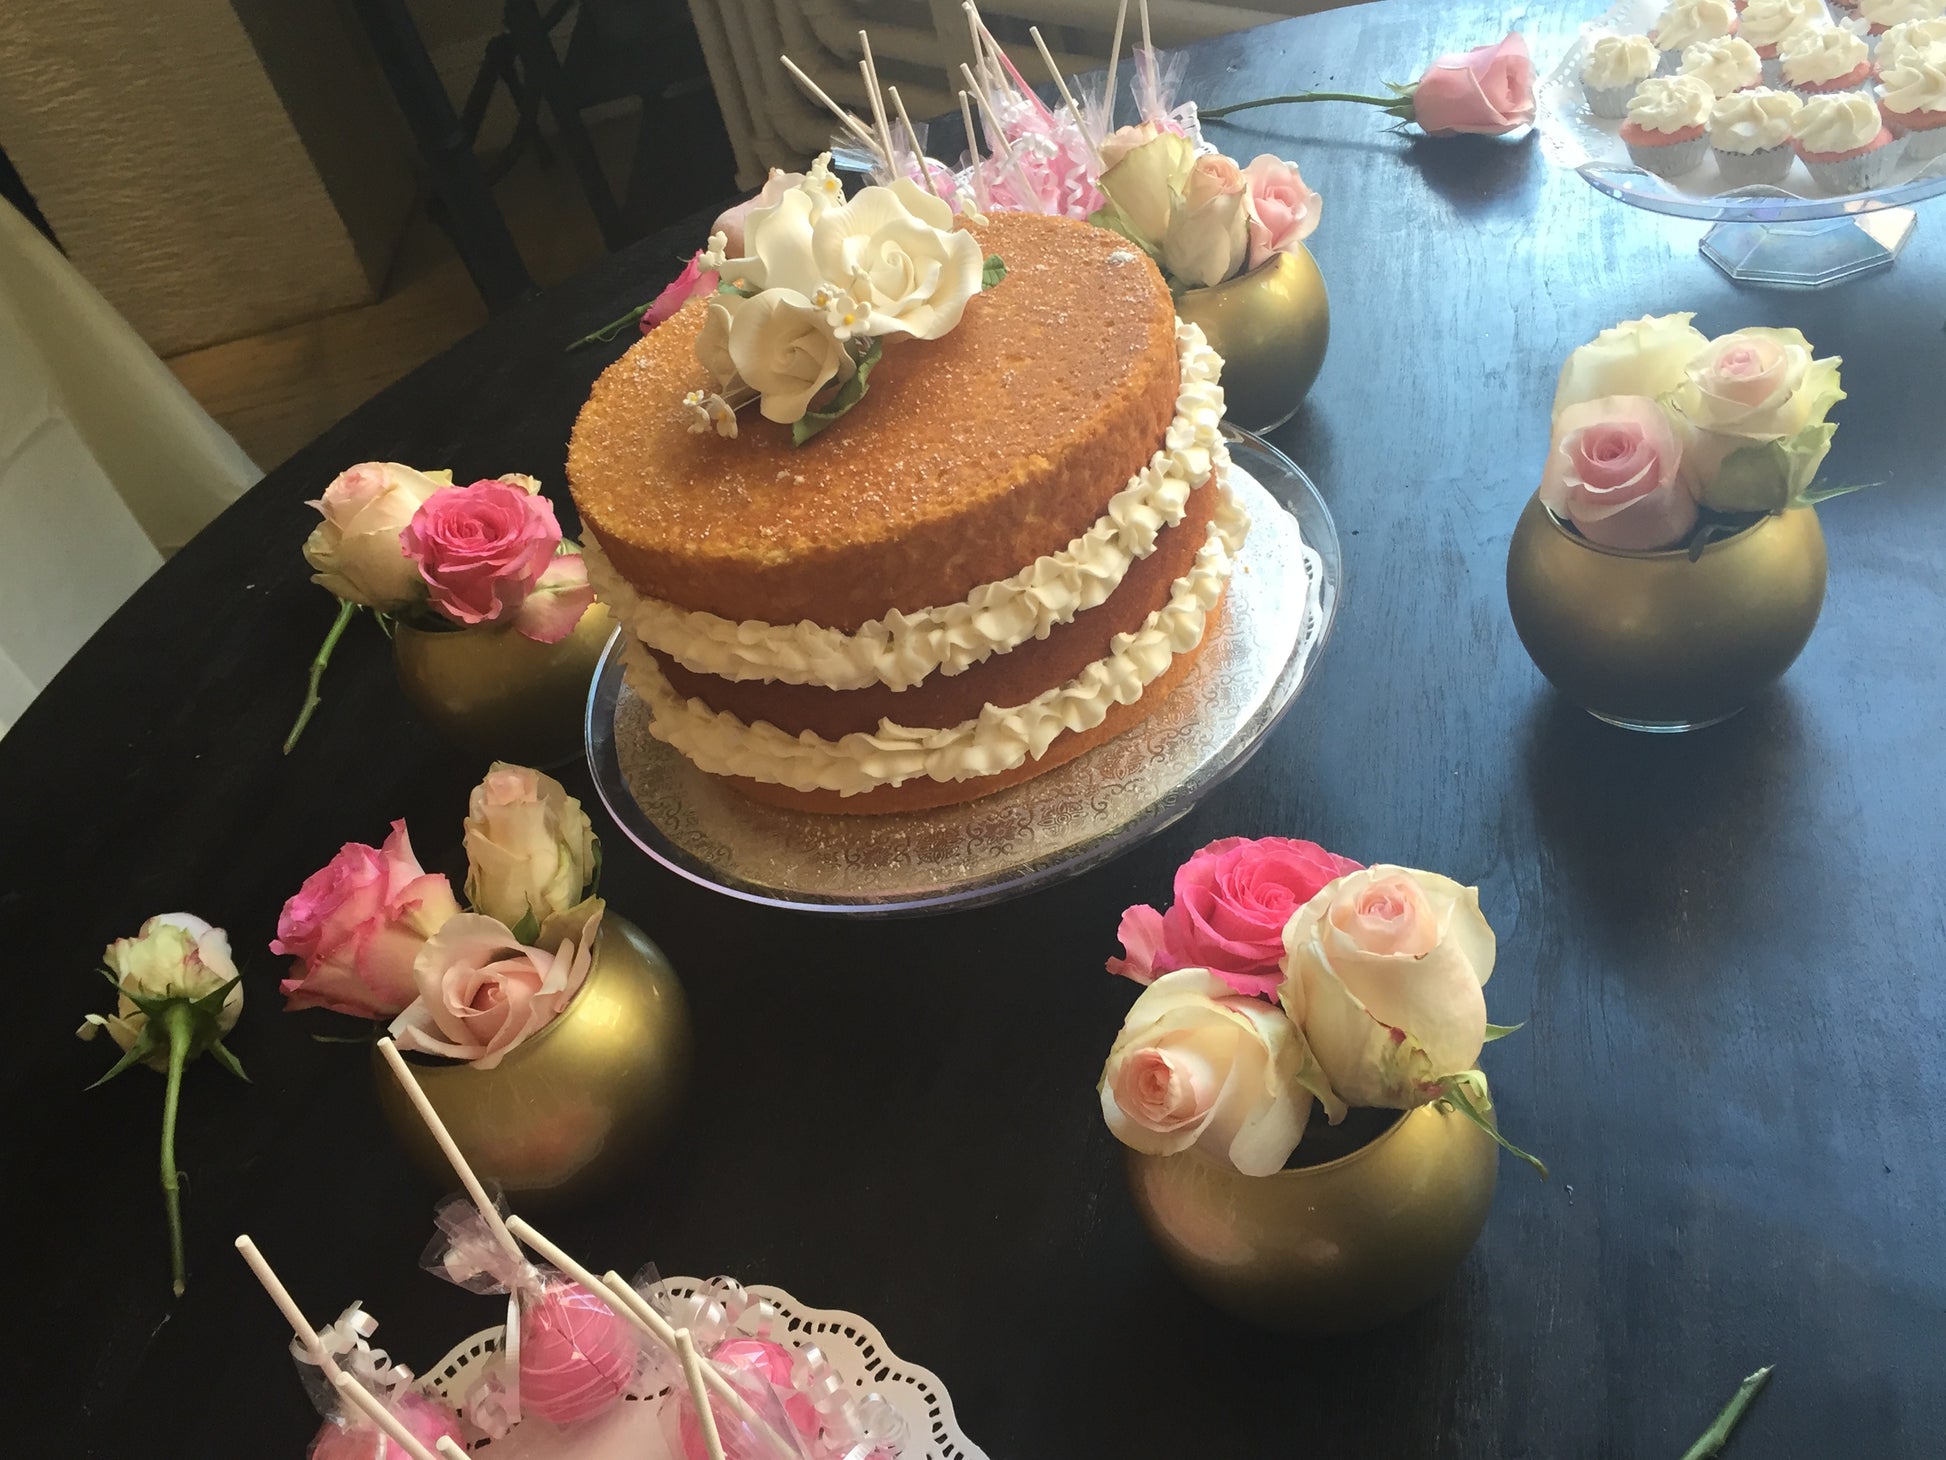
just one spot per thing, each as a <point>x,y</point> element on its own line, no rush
<point>1277,615</point>
<point>1786,237</point>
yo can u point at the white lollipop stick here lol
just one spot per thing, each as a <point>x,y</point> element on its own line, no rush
<point>1147,44</point>
<point>692,1370</point>
<point>489,1213</point>
<point>286,1304</point>
<point>845,119</point>
<point>379,1415</point>
<point>869,69</point>
<point>918,152</point>
<point>997,139</point>
<point>449,1448</point>
<point>1114,60</point>
<point>1066,96</point>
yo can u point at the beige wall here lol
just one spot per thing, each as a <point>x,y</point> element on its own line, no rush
<point>171,168</point>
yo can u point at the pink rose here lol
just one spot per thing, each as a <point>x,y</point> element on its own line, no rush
<point>730,221</point>
<point>487,550</point>
<point>426,1420</point>
<point>1283,210</point>
<point>482,993</point>
<point>356,926</point>
<point>1232,900</point>
<point>1489,90</point>
<point>694,279</point>
<point>1614,471</point>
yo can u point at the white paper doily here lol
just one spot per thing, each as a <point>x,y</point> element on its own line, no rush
<point>856,1350</point>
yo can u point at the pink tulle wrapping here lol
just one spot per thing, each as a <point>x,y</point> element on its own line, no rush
<point>577,1356</point>
<point>426,1420</point>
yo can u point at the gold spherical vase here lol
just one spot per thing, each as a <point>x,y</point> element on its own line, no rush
<point>1334,1248</point>
<point>498,694</point>
<point>575,1109</point>
<point>1271,327</point>
<point>1657,641</point>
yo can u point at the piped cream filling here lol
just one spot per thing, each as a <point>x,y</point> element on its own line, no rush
<point>996,740</point>
<point>902,650</point>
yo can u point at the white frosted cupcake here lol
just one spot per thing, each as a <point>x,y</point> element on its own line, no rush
<point>1882,15</point>
<point>1686,22</point>
<point>1667,130</point>
<point>1845,143</point>
<point>1616,65</point>
<point>1725,65</point>
<point>1824,60</point>
<point>1765,23</point>
<point>1750,136</point>
<point>1913,102</point>
<point>1917,39</point>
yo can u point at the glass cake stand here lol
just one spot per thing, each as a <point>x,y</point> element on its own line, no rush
<point>1785,237</point>
<point>1277,615</point>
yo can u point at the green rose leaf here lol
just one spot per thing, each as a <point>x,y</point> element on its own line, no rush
<point>849,394</point>
<point>1109,216</point>
<point>992,271</point>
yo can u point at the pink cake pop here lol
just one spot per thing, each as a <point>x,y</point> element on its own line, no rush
<point>577,1355</point>
<point>427,1420</point>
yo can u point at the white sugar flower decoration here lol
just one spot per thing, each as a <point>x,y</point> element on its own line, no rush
<point>845,311</point>
<point>712,259</point>
<point>711,413</point>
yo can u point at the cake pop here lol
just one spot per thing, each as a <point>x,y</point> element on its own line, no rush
<point>356,1438</point>
<point>577,1356</point>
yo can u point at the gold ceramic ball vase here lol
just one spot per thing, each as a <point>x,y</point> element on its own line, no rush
<point>1271,327</point>
<point>1333,1248</point>
<point>499,695</point>
<point>1655,640</point>
<point>575,1109</point>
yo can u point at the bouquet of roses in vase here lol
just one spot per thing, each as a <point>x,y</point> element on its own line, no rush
<point>1283,987</point>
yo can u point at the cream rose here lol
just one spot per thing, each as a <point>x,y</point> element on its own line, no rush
<point>1754,404</point>
<point>1384,971</point>
<point>530,849</point>
<point>356,548</point>
<point>1124,140</point>
<point>1146,186</point>
<point>778,244</point>
<point>1644,356</point>
<point>174,955</point>
<point>896,250</point>
<point>1197,1064</point>
<point>482,993</point>
<point>1209,233</point>
<point>783,348</point>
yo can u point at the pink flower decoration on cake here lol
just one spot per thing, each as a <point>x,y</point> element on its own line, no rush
<point>1615,473</point>
<point>1488,90</point>
<point>490,554</point>
<point>356,926</point>
<point>694,279</point>
<point>577,1356</point>
<point>1232,900</point>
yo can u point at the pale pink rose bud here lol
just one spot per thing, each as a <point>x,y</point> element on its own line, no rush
<point>530,847</point>
<point>1124,140</point>
<point>1614,471</point>
<point>1208,236</point>
<point>482,993</point>
<point>1283,210</point>
<point>355,550</point>
<point>1487,90</point>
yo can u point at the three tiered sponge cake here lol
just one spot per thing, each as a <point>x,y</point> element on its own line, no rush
<point>1013,548</point>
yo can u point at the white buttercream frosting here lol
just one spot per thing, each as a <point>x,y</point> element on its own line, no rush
<point>1821,53</point>
<point>1726,64</point>
<point>1917,39</point>
<point>1753,121</point>
<point>1767,22</point>
<point>1916,86</point>
<point>900,650</point>
<point>1889,13</point>
<point>1671,103</point>
<point>1842,123</point>
<point>1686,22</point>
<point>1619,60</point>
<point>996,740</point>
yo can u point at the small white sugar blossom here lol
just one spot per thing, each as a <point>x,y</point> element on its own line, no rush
<point>712,259</point>
<point>821,183</point>
<point>711,413</point>
<point>845,310</point>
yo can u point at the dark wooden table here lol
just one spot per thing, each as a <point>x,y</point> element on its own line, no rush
<point>1728,946</point>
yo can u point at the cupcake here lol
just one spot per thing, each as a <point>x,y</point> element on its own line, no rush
<point>1845,143</point>
<point>1616,65</point>
<point>1913,102</point>
<point>1882,15</point>
<point>1750,136</point>
<point>1667,130</point>
<point>1686,22</point>
<point>1920,39</point>
<point>1724,65</point>
<point>1765,23</point>
<point>1821,60</point>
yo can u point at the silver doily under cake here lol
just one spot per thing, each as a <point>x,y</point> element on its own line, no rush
<point>1278,611</point>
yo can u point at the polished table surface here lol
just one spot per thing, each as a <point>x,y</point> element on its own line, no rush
<point>1728,947</point>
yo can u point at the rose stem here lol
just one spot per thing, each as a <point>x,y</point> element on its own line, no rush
<point>1718,1434</point>
<point>177,1019</point>
<point>345,611</point>
<point>692,1370</point>
<point>1211,113</point>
